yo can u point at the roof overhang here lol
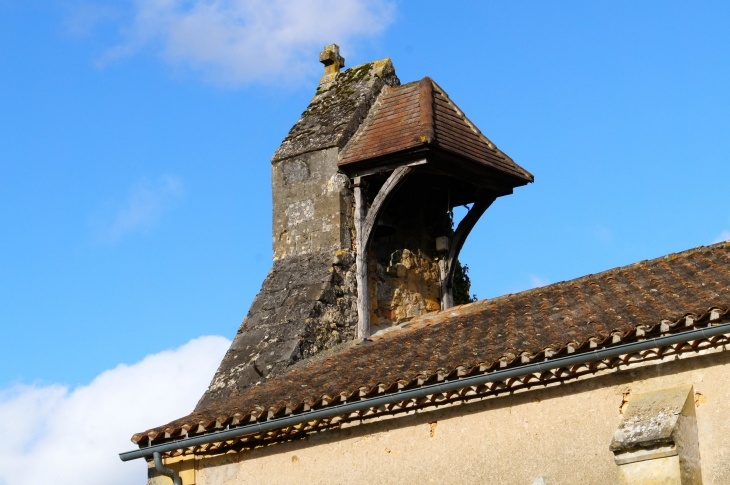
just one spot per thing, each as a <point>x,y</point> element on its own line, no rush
<point>430,159</point>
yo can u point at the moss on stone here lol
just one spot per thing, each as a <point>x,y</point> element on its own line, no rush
<point>337,109</point>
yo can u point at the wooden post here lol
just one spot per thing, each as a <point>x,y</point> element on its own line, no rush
<point>364,223</point>
<point>447,264</point>
<point>447,293</point>
<point>361,262</point>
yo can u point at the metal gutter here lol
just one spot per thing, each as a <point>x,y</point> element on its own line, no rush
<point>446,386</point>
<point>168,472</point>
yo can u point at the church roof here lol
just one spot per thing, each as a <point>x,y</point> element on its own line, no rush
<point>337,109</point>
<point>421,114</point>
<point>667,294</point>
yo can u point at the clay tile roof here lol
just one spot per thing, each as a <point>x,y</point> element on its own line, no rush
<point>418,114</point>
<point>624,303</point>
<point>337,109</point>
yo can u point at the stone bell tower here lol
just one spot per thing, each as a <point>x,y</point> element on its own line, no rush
<point>362,189</point>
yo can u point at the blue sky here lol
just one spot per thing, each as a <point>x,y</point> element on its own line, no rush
<point>135,137</point>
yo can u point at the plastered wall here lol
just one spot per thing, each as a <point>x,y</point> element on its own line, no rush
<point>554,435</point>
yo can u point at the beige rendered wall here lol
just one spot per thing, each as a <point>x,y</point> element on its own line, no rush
<point>557,435</point>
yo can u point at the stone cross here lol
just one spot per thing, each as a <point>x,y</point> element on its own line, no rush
<point>332,61</point>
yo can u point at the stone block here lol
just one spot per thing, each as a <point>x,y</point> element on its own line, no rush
<point>285,351</point>
<point>276,279</point>
<point>657,442</point>
<point>308,215</point>
<point>247,341</point>
<point>294,171</point>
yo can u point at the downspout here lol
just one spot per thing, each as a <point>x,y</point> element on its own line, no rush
<point>446,386</point>
<point>168,472</point>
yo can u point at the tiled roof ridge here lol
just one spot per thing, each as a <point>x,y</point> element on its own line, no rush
<point>426,126</point>
<point>337,109</point>
<point>425,104</point>
<point>366,121</point>
<point>617,269</point>
<point>692,316</point>
<point>421,114</point>
<point>477,131</point>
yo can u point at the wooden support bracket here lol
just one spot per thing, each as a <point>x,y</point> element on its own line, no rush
<point>446,265</point>
<point>364,223</point>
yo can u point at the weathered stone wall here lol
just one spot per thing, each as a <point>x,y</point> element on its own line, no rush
<point>403,286</point>
<point>337,109</point>
<point>312,205</point>
<point>557,435</point>
<point>307,304</point>
<point>404,272</point>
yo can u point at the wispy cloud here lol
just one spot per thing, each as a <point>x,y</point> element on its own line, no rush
<point>538,281</point>
<point>146,202</point>
<point>240,41</point>
<point>82,19</point>
<point>724,236</point>
<point>76,434</point>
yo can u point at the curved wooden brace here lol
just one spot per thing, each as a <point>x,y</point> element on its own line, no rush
<point>381,200</point>
<point>364,223</point>
<point>447,265</point>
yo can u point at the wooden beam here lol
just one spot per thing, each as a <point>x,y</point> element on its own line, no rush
<point>381,200</point>
<point>364,223</point>
<point>361,263</point>
<point>446,265</point>
<point>386,168</point>
<point>447,292</point>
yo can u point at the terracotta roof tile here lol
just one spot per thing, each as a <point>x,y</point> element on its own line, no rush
<point>482,335</point>
<point>337,109</point>
<point>421,113</point>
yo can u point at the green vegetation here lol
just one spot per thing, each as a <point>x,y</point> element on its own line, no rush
<point>462,285</point>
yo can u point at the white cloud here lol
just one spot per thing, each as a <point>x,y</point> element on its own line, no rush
<point>724,236</point>
<point>239,41</point>
<point>145,204</point>
<point>538,281</point>
<point>52,434</point>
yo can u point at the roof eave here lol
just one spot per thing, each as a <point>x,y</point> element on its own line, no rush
<point>446,161</point>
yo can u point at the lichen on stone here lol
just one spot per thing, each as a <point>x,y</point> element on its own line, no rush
<point>306,305</point>
<point>337,109</point>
